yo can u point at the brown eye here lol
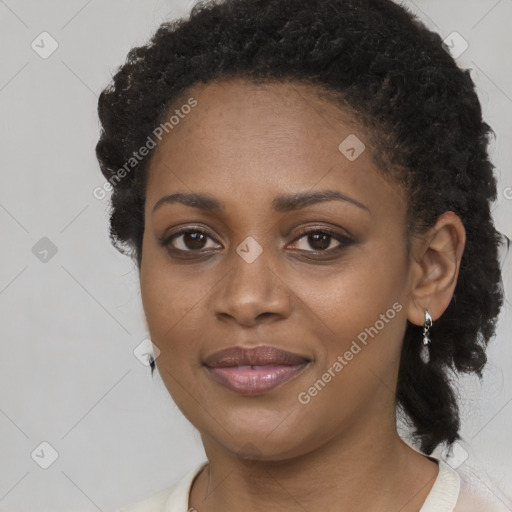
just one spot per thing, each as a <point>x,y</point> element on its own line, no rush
<point>187,240</point>
<point>321,240</point>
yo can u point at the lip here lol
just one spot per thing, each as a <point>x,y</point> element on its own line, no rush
<point>251,371</point>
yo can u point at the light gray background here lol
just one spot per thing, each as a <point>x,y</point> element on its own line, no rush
<point>69,325</point>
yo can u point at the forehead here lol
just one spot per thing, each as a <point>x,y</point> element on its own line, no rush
<point>285,109</point>
<point>253,140</point>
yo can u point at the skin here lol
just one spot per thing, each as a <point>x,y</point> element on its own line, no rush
<point>244,144</point>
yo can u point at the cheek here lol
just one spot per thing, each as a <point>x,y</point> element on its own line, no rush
<point>359,358</point>
<point>175,309</point>
<point>164,297</point>
<point>172,313</point>
<point>355,295</point>
<point>364,307</point>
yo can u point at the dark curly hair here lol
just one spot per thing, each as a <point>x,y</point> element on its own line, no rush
<point>422,117</point>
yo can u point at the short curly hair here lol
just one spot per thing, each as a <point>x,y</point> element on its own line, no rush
<point>421,114</point>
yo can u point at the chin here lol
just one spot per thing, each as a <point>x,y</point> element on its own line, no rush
<point>252,438</point>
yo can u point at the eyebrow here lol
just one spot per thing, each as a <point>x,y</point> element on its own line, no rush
<point>281,204</point>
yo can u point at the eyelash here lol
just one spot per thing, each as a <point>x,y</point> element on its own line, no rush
<point>343,240</point>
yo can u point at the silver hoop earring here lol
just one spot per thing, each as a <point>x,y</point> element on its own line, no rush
<point>425,352</point>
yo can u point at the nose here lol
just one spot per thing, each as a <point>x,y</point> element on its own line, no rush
<point>251,292</point>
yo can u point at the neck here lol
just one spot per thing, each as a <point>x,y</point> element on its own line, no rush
<point>371,471</point>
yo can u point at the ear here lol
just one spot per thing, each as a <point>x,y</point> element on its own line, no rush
<point>434,267</point>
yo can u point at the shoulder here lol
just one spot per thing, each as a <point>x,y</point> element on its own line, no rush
<point>171,499</point>
<point>154,503</point>
<point>459,491</point>
<point>476,497</point>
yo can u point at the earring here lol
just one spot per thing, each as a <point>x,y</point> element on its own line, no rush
<point>425,352</point>
<point>152,363</point>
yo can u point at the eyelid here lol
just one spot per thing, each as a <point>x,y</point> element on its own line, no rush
<point>166,239</point>
<point>343,239</point>
<point>324,229</point>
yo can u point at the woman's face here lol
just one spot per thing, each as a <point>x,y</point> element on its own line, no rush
<point>246,274</point>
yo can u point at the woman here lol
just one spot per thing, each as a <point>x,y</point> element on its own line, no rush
<point>305,188</point>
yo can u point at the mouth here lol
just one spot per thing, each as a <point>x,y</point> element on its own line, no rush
<point>254,371</point>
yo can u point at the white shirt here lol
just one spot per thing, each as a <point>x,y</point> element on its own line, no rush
<point>447,495</point>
